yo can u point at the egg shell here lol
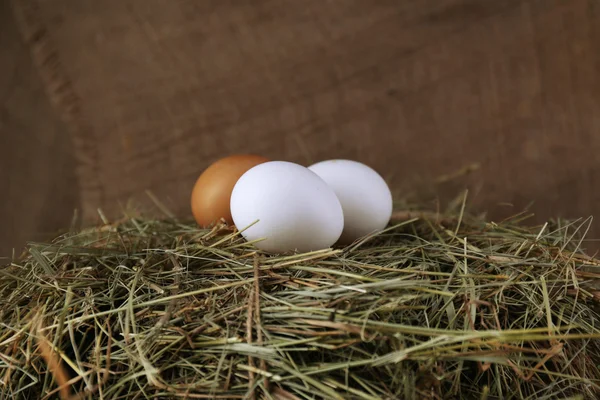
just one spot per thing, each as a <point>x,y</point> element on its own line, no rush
<point>212,192</point>
<point>293,208</point>
<point>365,196</point>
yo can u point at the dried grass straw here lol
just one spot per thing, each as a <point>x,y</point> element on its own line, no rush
<point>437,306</point>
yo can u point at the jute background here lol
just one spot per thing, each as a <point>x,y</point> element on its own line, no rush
<point>102,100</point>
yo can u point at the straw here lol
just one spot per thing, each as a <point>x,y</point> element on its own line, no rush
<point>438,306</point>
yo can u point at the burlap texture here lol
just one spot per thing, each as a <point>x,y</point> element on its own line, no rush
<point>39,189</point>
<point>151,91</point>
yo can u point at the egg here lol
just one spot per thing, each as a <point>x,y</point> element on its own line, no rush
<point>364,195</point>
<point>212,192</point>
<point>288,206</point>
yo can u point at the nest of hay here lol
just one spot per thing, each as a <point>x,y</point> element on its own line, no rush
<point>436,306</point>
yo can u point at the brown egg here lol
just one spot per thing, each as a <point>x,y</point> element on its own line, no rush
<point>212,191</point>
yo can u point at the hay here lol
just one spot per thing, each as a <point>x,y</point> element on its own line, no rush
<point>437,306</point>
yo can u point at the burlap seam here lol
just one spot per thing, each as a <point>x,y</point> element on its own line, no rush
<point>63,98</point>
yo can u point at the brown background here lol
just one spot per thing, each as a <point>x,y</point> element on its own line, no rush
<point>100,101</point>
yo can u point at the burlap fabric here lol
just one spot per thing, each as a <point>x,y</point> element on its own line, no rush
<point>111,98</point>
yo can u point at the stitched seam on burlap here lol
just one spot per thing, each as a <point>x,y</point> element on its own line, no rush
<point>64,100</point>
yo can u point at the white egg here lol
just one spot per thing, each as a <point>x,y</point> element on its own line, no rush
<point>295,209</point>
<point>365,196</point>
